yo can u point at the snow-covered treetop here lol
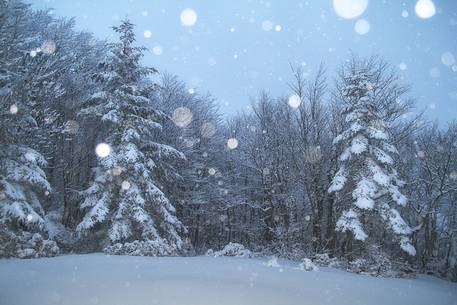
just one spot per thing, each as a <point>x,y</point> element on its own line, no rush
<point>128,189</point>
<point>366,166</point>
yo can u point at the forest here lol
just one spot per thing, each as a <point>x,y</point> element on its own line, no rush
<point>100,153</point>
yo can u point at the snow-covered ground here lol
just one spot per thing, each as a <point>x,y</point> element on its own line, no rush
<point>119,280</point>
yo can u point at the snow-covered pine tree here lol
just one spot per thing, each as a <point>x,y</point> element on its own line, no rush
<point>23,183</point>
<point>126,199</point>
<point>366,169</point>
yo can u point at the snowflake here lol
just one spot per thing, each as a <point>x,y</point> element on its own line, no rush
<point>232,143</point>
<point>267,25</point>
<point>362,27</point>
<point>182,116</point>
<point>350,9</point>
<point>147,34</point>
<point>188,17</point>
<point>157,50</point>
<point>447,58</point>
<point>14,109</point>
<point>125,185</point>
<point>48,47</point>
<point>207,130</point>
<point>425,9</point>
<point>103,150</point>
<point>294,101</point>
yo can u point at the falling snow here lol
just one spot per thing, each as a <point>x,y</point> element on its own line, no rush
<point>425,9</point>
<point>48,47</point>
<point>125,185</point>
<point>188,17</point>
<point>208,130</point>
<point>147,34</point>
<point>294,101</point>
<point>157,50</point>
<point>232,143</point>
<point>240,166</point>
<point>102,150</point>
<point>447,58</point>
<point>362,27</point>
<point>13,109</point>
<point>267,25</point>
<point>350,9</point>
<point>182,116</point>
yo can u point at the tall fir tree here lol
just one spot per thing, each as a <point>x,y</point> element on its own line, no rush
<point>126,197</point>
<point>367,171</point>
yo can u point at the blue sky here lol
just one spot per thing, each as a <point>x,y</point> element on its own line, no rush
<point>237,48</point>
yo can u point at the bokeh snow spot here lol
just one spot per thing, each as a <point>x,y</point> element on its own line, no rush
<point>102,150</point>
<point>157,50</point>
<point>188,17</point>
<point>425,9</point>
<point>14,109</point>
<point>182,117</point>
<point>207,130</point>
<point>232,143</point>
<point>125,185</point>
<point>448,59</point>
<point>362,27</point>
<point>48,47</point>
<point>147,34</point>
<point>267,25</point>
<point>294,101</point>
<point>350,9</point>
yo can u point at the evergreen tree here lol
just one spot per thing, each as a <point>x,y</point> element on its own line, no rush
<point>126,196</point>
<point>23,183</point>
<point>367,170</point>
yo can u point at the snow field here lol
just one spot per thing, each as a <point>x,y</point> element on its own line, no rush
<point>121,280</point>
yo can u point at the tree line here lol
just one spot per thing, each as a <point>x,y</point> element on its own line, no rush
<point>99,152</point>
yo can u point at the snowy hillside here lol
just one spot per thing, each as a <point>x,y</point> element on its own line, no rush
<point>111,280</point>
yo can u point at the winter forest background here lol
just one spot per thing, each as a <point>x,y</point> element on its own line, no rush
<point>100,152</point>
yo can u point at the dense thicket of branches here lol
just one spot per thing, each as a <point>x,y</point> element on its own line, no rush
<point>281,190</point>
